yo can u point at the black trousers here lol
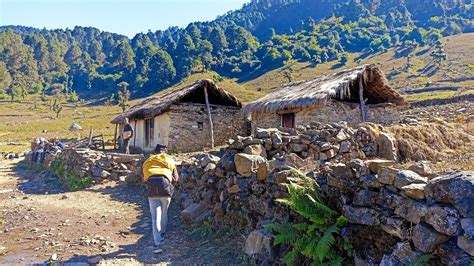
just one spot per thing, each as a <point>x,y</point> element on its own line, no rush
<point>126,146</point>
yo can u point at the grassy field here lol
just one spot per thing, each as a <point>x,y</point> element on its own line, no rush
<point>20,123</point>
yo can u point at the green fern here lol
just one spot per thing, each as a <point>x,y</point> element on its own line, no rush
<point>422,260</point>
<point>318,239</point>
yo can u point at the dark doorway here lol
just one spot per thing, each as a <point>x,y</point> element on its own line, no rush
<point>288,120</point>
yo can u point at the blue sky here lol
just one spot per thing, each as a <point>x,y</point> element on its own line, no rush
<point>119,16</point>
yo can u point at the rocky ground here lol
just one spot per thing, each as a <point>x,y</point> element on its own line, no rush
<point>40,222</point>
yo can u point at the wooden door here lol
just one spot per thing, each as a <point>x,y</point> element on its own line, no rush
<point>288,120</point>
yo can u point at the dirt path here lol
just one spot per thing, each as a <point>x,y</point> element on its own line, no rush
<point>40,220</point>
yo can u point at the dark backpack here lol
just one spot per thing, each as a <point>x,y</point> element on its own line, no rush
<point>159,186</point>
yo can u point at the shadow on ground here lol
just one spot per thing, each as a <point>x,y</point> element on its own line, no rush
<point>178,247</point>
<point>35,180</point>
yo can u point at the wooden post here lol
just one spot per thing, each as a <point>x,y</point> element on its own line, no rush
<point>115,136</point>
<point>209,115</point>
<point>90,137</point>
<point>135,133</point>
<point>361,99</point>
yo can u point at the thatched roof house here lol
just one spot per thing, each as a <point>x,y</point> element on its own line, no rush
<point>182,118</point>
<point>329,98</point>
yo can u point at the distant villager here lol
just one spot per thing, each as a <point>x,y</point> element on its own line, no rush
<point>127,136</point>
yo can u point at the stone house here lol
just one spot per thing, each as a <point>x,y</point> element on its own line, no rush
<point>352,95</point>
<point>189,119</point>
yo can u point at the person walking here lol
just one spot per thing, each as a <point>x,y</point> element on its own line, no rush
<point>127,136</point>
<point>159,175</point>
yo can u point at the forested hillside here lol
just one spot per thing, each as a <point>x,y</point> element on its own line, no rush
<point>263,35</point>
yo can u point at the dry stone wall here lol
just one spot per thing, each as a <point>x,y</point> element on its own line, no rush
<point>395,215</point>
<point>190,128</point>
<point>99,166</point>
<point>331,112</point>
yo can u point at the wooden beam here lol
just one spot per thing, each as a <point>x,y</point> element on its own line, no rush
<point>90,137</point>
<point>361,99</point>
<point>115,136</point>
<point>209,115</point>
<point>135,133</point>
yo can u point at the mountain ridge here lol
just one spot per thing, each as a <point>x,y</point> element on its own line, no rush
<point>263,35</point>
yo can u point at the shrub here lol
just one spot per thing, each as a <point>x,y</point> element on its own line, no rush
<point>71,180</point>
<point>317,239</point>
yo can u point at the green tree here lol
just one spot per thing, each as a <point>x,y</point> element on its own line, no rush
<point>19,60</point>
<point>73,97</point>
<point>57,107</point>
<point>219,41</point>
<point>438,54</point>
<point>5,78</point>
<point>344,58</point>
<point>14,92</point>
<point>123,95</point>
<point>162,70</point>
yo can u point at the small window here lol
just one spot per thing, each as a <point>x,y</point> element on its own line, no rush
<point>288,120</point>
<point>149,131</point>
<point>200,125</point>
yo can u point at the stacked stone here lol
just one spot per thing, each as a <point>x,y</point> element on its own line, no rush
<point>394,215</point>
<point>403,213</point>
<point>245,181</point>
<point>87,163</point>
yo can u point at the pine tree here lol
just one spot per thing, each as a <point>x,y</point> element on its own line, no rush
<point>123,95</point>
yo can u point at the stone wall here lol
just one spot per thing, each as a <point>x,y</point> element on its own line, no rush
<point>100,166</point>
<point>190,129</point>
<point>330,112</point>
<point>394,215</point>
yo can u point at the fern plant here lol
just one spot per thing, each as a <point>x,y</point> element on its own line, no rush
<point>317,240</point>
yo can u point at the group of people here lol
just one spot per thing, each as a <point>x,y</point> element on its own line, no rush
<point>40,147</point>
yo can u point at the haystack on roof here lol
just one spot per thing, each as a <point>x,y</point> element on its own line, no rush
<point>155,105</point>
<point>343,86</point>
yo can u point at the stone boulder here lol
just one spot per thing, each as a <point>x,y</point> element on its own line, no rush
<point>256,149</point>
<point>386,175</point>
<point>386,147</point>
<point>247,164</point>
<point>466,244</point>
<point>455,188</point>
<point>361,215</point>
<point>376,164</point>
<point>207,159</point>
<point>427,239</point>
<point>192,213</point>
<point>415,191</point>
<point>421,168</point>
<point>407,177</point>
<point>259,245</point>
<point>444,220</point>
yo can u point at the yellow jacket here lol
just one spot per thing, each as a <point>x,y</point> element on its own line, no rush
<point>160,164</point>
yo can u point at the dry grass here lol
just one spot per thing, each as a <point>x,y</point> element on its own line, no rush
<point>457,71</point>
<point>433,141</point>
<point>20,123</point>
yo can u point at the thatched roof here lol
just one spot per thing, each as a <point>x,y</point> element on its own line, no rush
<point>343,86</point>
<point>155,105</point>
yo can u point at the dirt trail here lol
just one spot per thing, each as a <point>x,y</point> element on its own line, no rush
<point>40,220</point>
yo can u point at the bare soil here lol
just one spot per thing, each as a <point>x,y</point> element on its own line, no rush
<point>41,222</point>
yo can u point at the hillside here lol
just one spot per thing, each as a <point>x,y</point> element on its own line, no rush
<point>262,36</point>
<point>417,83</point>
